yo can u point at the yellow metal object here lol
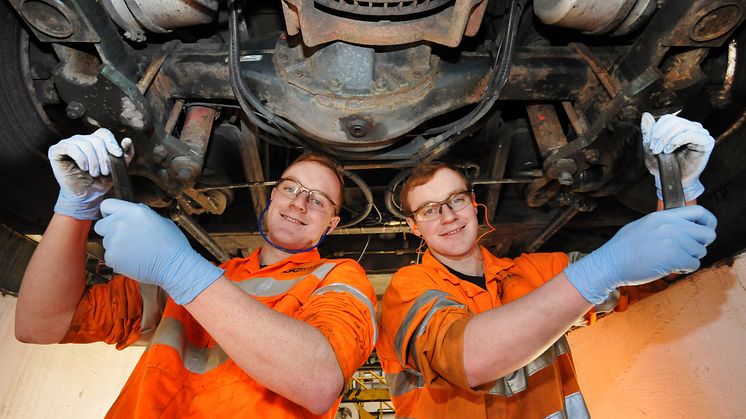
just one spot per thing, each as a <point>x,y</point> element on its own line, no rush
<point>368,389</point>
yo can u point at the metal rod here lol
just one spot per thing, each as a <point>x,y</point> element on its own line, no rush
<point>274,182</point>
<point>173,117</point>
<point>252,165</point>
<point>501,181</point>
<point>155,65</point>
<point>198,233</point>
<point>557,222</point>
<point>236,186</point>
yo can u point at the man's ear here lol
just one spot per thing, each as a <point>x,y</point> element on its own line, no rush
<point>333,223</point>
<point>413,226</point>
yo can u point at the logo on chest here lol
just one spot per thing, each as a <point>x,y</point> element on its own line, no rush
<point>301,268</point>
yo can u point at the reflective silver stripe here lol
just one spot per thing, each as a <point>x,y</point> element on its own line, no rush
<point>338,287</point>
<point>517,381</point>
<point>403,382</point>
<point>575,408</point>
<point>153,303</point>
<point>197,360</point>
<point>270,287</point>
<point>439,304</point>
<point>573,257</point>
<point>421,301</point>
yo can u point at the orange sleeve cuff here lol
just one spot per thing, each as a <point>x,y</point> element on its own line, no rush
<point>440,350</point>
<point>346,324</point>
<point>108,313</point>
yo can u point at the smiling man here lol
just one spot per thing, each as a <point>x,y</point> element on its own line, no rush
<point>275,334</point>
<point>468,335</point>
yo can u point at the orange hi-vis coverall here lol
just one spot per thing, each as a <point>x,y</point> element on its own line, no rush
<point>184,373</point>
<point>423,316</point>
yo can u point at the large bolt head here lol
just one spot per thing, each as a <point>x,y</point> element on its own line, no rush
<point>75,110</point>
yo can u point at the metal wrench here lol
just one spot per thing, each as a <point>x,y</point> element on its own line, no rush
<point>673,191</point>
<point>122,182</point>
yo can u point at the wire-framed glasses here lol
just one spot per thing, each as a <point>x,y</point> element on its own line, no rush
<point>317,200</point>
<point>432,210</point>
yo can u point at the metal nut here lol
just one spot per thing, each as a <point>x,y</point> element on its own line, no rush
<point>358,127</point>
<point>591,155</point>
<point>75,110</point>
<point>159,153</point>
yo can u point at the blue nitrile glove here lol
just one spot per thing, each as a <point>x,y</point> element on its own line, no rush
<point>81,166</point>
<point>654,246</point>
<point>146,247</point>
<point>691,143</point>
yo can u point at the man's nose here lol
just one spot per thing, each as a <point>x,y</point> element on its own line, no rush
<point>447,214</point>
<point>300,201</point>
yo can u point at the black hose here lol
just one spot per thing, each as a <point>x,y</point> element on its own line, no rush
<point>501,70</point>
<point>368,198</point>
<point>389,196</point>
<point>282,128</point>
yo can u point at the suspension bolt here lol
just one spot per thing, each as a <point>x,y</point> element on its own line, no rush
<point>75,110</point>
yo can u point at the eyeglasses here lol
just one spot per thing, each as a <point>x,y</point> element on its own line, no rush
<point>432,210</point>
<point>317,200</point>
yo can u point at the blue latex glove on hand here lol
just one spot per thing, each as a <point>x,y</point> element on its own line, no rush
<point>81,166</point>
<point>654,246</point>
<point>151,249</point>
<point>691,143</point>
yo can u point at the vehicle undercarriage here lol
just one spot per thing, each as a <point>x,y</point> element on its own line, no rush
<point>538,102</point>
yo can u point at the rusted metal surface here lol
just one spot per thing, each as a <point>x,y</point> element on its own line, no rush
<point>317,26</point>
<point>197,127</point>
<point>173,117</point>
<point>544,73</point>
<point>410,94</point>
<point>55,21</point>
<point>683,70</point>
<point>724,96</point>
<point>195,230</point>
<point>155,65</point>
<point>578,121</point>
<point>546,127</point>
<point>541,191</point>
<point>716,22</point>
<point>384,7</point>
<point>572,205</point>
<point>392,91</point>
<point>252,166</point>
<point>197,202</point>
<point>500,151</point>
<point>195,134</point>
<point>563,216</point>
<point>607,81</point>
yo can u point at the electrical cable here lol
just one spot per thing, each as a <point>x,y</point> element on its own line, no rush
<point>501,70</point>
<point>367,242</point>
<point>281,127</point>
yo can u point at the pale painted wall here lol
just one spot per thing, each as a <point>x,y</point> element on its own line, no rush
<point>678,354</point>
<point>58,381</point>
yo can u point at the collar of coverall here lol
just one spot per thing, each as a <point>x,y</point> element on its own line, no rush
<point>492,265</point>
<point>251,262</point>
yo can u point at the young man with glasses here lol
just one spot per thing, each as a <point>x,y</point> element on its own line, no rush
<point>275,334</point>
<point>468,335</point>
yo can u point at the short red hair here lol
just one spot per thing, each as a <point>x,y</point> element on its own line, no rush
<point>421,174</point>
<point>329,164</point>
